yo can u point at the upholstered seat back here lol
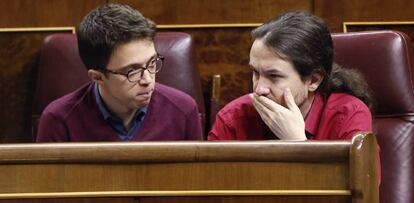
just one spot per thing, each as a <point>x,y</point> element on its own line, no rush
<point>385,59</point>
<point>62,71</point>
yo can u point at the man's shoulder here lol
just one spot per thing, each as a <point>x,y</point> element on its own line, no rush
<point>64,105</point>
<point>239,107</point>
<point>342,105</point>
<point>343,101</point>
<point>166,95</point>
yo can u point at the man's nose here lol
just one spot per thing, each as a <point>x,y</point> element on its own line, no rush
<point>261,88</point>
<point>146,77</point>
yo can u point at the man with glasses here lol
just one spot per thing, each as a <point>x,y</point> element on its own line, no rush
<point>123,102</point>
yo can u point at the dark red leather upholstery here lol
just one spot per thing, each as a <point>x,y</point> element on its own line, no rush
<point>61,69</point>
<point>386,60</point>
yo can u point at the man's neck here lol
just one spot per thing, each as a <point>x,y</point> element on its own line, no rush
<point>306,105</point>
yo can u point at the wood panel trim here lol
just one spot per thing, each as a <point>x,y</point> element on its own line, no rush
<point>363,169</point>
<point>345,25</point>
<point>179,193</point>
<point>38,29</point>
<point>225,25</point>
<point>184,151</point>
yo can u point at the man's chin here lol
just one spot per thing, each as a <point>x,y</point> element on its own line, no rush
<point>140,102</point>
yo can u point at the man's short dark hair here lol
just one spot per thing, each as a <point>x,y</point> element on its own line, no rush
<point>108,26</point>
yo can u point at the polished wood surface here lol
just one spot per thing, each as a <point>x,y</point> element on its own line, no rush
<point>45,13</point>
<point>363,169</point>
<point>178,152</point>
<point>335,13</point>
<point>18,70</point>
<point>230,199</point>
<point>214,11</point>
<point>269,171</point>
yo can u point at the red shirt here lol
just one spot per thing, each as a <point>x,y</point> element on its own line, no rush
<point>337,118</point>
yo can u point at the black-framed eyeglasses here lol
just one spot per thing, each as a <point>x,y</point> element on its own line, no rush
<point>135,71</point>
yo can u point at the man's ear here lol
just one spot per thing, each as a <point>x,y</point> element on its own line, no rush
<point>96,76</point>
<point>315,80</point>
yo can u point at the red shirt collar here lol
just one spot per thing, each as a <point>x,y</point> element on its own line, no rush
<point>314,115</point>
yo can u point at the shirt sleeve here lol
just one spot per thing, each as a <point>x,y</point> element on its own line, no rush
<point>51,128</point>
<point>221,130</point>
<point>357,121</point>
<point>193,125</point>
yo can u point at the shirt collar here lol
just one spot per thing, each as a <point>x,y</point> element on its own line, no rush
<point>314,115</point>
<point>104,111</point>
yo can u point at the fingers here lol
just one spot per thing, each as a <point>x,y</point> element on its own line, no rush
<point>285,122</point>
<point>258,105</point>
<point>268,103</point>
<point>273,106</point>
<point>265,113</point>
<point>289,100</point>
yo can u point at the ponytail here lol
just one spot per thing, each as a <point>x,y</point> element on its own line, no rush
<point>350,81</point>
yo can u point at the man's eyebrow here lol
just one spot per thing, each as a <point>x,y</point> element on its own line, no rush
<point>266,70</point>
<point>270,71</point>
<point>125,68</point>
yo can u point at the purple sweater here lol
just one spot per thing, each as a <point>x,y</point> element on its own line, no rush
<point>171,115</point>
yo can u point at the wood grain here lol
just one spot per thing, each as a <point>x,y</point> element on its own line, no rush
<point>191,171</point>
<point>214,11</point>
<point>18,69</point>
<point>335,13</point>
<point>44,13</point>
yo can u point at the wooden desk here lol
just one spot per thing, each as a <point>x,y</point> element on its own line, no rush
<point>259,171</point>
